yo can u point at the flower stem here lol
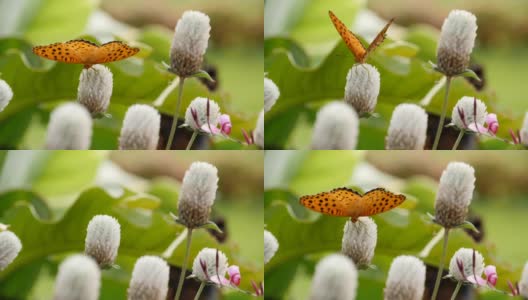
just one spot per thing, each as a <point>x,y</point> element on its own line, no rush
<point>443,115</point>
<point>459,138</point>
<point>441,265</point>
<point>193,137</point>
<point>200,289</point>
<point>184,265</point>
<point>176,114</point>
<point>455,293</point>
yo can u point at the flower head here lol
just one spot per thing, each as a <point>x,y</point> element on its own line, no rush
<point>336,127</point>
<point>190,43</point>
<point>210,265</point>
<point>271,94</point>
<point>362,88</point>
<point>271,245</point>
<point>359,241</point>
<point>470,114</point>
<point>467,265</point>
<point>335,278</point>
<point>10,246</point>
<point>491,275</point>
<point>78,278</point>
<point>202,114</point>
<point>234,275</point>
<point>523,284</point>
<point>407,128</point>
<point>95,89</point>
<point>103,237</point>
<point>197,194</point>
<point>258,133</point>
<point>6,94</point>
<point>140,129</point>
<point>454,194</point>
<point>69,128</point>
<point>456,42</point>
<point>406,279</point>
<point>524,130</point>
<point>150,279</point>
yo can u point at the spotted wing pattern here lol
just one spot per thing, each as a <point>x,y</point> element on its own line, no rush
<point>85,52</point>
<point>352,42</point>
<point>379,39</point>
<point>379,200</point>
<point>335,203</point>
<point>114,51</point>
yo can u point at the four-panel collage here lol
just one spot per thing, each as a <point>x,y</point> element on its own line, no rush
<point>140,161</point>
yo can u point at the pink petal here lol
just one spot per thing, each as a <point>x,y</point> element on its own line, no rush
<point>491,118</point>
<point>223,119</point>
<point>481,129</point>
<point>213,130</point>
<point>479,281</point>
<point>234,275</point>
<point>223,281</point>
<point>491,275</point>
<point>225,124</point>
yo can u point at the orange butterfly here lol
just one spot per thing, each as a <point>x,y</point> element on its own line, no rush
<point>353,43</point>
<point>344,202</point>
<point>85,52</point>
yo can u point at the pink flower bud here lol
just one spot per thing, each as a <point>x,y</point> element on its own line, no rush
<point>493,123</point>
<point>225,124</point>
<point>491,275</point>
<point>234,275</point>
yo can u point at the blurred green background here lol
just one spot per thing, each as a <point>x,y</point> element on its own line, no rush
<point>48,198</point>
<point>498,207</point>
<point>307,59</point>
<point>234,56</point>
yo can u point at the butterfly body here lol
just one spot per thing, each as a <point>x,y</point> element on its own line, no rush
<point>345,202</point>
<point>85,52</point>
<point>353,43</point>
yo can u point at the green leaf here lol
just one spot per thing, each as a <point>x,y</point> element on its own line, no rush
<point>470,74</point>
<point>203,74</point>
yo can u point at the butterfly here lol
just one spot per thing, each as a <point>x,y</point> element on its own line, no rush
<point>353,43</point>
<point>345,202</point>
<point>85,52</point>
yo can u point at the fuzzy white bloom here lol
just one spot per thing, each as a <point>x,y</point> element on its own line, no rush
<point>208,257</point>
<point>140,129</point>
<point>454,194</point>
<point>78,278</point>
<point>523,283</point>
<point>466,105</point>
<point>103,237</point>
<point>190,43</point>
<point>456,42</point>
<point>406,279</point>
<point>524,130</point>
<point>271,94</point>
<point>465,256</point>
<point>95,89</point>
<point>362,88</point>
<point>335,278</point>
<point>407,128</point>
<point>197,194</point>
<point>69,128</point>
<point>10,246</point>
<point>359,241</point>
<point>6,94</point>
<point>336,127</point>
<point>199,106</point>
<point>150,279</point>
<point>271,245</point>
<point>258,133</point>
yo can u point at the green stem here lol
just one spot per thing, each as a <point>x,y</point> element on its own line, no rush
<point>176,114</point>
<point>441,265</point>
<point>443,115</point>
<point>200,289</point>
<point>184,265</point>
<point>459,284</point>
<point>193,137</point>
<point>459,138</point>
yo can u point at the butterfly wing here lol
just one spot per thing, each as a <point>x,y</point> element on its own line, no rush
<point>337,202</point>
<point>379,39</point>
<point>350,39</point>
<point>69,52</point>
<point>379,200</point>
<point>114,51</point>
